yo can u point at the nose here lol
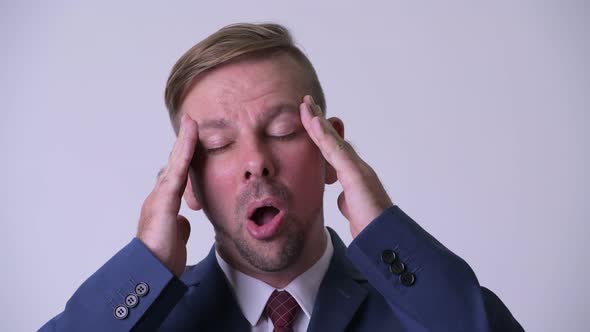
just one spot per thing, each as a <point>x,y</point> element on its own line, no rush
<point>258,162</point>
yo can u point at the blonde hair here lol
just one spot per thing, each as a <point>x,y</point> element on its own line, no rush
<point>230,43</point>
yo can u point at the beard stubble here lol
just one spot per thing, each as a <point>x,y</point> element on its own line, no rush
<point>271,255</point>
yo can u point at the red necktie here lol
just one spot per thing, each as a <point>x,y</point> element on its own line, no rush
<point>282,309</point>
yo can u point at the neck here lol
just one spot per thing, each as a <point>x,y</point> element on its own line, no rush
<point>313,249</point>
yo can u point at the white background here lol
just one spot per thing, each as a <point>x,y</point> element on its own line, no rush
<point>475,115</point>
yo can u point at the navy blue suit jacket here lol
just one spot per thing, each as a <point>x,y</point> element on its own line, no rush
<point>437,290</point>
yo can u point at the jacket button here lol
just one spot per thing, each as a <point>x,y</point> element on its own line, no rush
<point>121,312</point>
<point>141,289</point>
<point>388,256</point>
<point>131,300</point>
<point>407,279</point>
<point>397,268</point>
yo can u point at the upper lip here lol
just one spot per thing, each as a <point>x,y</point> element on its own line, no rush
<point>268,201</point>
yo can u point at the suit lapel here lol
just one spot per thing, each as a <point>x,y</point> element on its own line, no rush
<point>210,301</point>
<point>340,293</point>
<point>210,304</point>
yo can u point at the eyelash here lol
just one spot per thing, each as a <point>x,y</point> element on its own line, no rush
<point>279,138</point>
<point>284,137</point>
<point>217,150</point>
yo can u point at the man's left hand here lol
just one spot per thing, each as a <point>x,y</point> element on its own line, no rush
<point>364,197</point>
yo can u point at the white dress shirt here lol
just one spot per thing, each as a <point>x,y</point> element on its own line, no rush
<point>252,294</point>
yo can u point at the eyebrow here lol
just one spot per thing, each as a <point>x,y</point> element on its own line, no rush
<point>225,124</point>
<point>214,124</point>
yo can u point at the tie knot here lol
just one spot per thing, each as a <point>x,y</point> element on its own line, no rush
<point>282,309</point>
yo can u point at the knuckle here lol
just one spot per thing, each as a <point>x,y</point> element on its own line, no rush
<point>165,181</point>
<point>369,174</point>
<point>162,181</point>
<point>366,170</point>
<point>160,172</point>
<point>167,187</point>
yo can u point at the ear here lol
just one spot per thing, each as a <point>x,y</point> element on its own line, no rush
<point>190,195</point>
<point>338,125</point>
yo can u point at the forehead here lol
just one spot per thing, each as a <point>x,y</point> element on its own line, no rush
<point>247,83</point>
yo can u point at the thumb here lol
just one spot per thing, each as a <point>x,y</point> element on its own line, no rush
<point>183,231</point>
<point>184,228</point>
<point>342,206</point>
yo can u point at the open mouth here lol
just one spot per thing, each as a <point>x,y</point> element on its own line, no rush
<point>264,214</point>
<point>265,218</point>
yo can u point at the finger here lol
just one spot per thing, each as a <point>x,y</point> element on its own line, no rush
<point>174,176</point>
<point>184,228</point>
<point>308,112</point>
<point>183,233</point>
<point>313,111</point>
<point>333,147</point>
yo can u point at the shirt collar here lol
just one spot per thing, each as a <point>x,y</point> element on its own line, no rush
<point>252,294</point>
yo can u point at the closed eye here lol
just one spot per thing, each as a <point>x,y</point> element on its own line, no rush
<point>218,149</point>
<point>278,138</point>
<point>283,137</point>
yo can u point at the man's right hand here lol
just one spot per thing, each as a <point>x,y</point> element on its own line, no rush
<point>161,228</point>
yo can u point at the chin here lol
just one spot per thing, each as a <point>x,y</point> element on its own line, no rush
<point>273,255</point>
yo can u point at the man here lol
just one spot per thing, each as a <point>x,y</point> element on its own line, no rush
<point>254,151</point>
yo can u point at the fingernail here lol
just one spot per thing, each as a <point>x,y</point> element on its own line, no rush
<point>311,99</point>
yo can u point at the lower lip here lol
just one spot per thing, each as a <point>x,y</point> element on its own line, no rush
<point>266,231</point>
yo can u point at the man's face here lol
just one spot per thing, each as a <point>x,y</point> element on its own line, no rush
<point>256,173</point>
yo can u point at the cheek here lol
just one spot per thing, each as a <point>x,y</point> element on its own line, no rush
<point>302,170</point>
<point>216,185</point>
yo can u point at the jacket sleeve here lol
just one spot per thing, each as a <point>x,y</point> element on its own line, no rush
<point>416,274</point>
<point>133,291</point>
